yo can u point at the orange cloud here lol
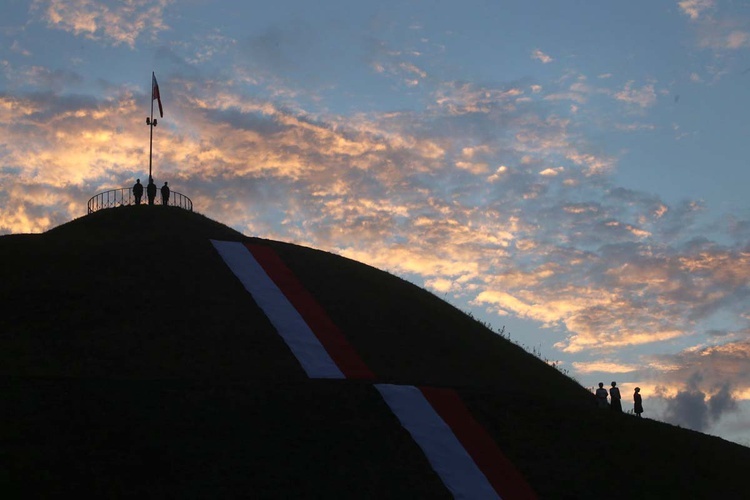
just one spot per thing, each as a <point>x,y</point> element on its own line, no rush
<point>541,56</point>
<point>694,8</point>
<point>119,24</point>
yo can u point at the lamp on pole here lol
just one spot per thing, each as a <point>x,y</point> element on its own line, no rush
<point>152,123</point>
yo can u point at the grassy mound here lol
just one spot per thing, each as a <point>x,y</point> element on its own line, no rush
<point>134,362</point>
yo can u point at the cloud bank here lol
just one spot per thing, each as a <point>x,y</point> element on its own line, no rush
<point>112,23</point>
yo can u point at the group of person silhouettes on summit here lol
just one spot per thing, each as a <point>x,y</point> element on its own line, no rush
<point>615,403</point>
<point>150,192</point>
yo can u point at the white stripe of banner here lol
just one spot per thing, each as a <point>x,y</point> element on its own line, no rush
<point>283,316</point>
<point>444,451</point>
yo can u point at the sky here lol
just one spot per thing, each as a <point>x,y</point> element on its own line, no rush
<point>575,172</point>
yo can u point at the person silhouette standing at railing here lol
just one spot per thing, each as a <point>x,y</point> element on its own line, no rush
<point>138,191</point>
<point>165,195</point>
<point>151,190</point>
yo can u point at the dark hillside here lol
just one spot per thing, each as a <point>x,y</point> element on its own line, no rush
<point>409,335</point>
<point>133,362</point>
<point>130,293</point>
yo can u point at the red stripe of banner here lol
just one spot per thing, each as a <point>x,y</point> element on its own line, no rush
<point>334,341</point>
<point>500,472</point>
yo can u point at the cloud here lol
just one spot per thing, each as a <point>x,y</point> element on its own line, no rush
<point>643,97</point>
<point>721,402</point>
<point>55,80</point>
<point>210,46</point>
<point>541,56</point>
<point>714,364</point>
<point>697,410</point>
<point>604,367</point>
<point>406,66</point>
<point>718,31</point>
<point>460,98</point>
<point>112,22</point>
<point>723,36</point>
<point>551,172</point>
<point>695,8</point>
<point>688,408</point>
<point>634,127</point>
<point>579,91</point>
<point>737,39</point>
<point>17,48</point>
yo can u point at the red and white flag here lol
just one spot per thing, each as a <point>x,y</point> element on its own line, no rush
<point>155,93</point>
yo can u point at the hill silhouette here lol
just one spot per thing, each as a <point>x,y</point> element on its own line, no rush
<point>133,363</point>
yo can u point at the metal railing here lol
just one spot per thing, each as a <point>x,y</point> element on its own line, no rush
<point>124,196</point>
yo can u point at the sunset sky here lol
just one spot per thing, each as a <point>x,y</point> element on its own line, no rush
<point>574,171</point>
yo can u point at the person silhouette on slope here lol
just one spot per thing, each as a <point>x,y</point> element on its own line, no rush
<point>614,396</point>
<point>637,402</point>
<point>601,396</point>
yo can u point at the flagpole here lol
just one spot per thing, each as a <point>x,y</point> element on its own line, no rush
<point>151,126</point>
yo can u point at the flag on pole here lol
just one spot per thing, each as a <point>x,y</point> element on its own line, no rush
<point>155,93</point>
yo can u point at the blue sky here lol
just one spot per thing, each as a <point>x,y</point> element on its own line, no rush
<point>575,171</point>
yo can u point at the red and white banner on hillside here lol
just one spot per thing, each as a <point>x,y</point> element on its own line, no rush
<point>459,449</point>
<point>444,451</point>
<point>328,334</point>
<point>283,316</point>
